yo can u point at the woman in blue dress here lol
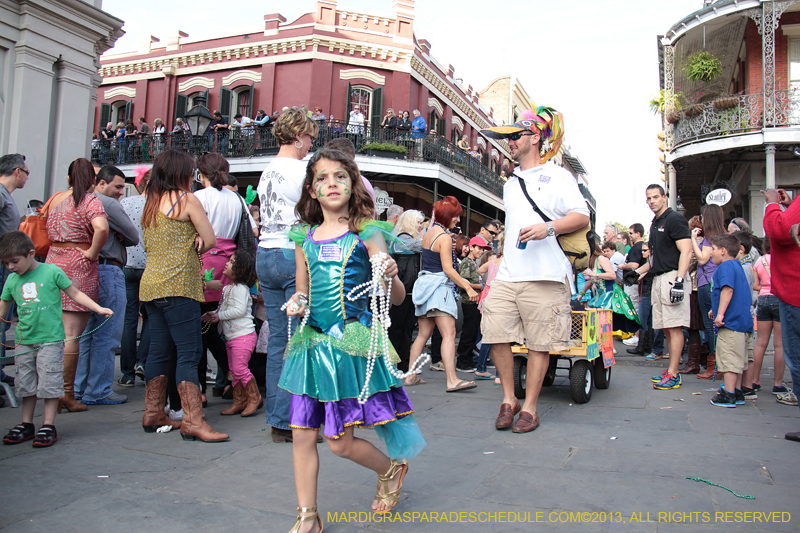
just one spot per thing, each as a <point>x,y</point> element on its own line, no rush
<point>339,367</point>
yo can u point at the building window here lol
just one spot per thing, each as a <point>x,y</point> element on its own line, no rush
<point>361,97</point>
<point>118,112</point>
<point>243,101</point>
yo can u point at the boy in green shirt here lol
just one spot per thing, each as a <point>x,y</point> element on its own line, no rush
<point>36,288</point>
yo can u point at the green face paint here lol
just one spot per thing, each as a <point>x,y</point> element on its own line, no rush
<point>319,178</point>
<point>344,182</point>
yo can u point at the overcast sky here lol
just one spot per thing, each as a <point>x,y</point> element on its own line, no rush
<point>595,61</point>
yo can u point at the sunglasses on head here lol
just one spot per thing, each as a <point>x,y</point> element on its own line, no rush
<point>519,135</point>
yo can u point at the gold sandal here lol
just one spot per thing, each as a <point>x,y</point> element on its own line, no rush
<point>306,518</point>
<point>383,494</point>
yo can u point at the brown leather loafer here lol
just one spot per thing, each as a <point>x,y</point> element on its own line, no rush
<point>506,416</point>
<point>526,422</point>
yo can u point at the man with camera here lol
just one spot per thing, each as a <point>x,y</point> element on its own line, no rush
<point>529,300</point>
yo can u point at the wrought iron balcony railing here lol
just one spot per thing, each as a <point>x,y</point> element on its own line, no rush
<point>726,116</point>
<point>259,141</point>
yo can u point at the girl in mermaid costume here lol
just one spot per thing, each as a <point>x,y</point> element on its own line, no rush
<point>328,370</point>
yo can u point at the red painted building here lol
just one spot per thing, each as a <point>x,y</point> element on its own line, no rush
<point>333,59</point>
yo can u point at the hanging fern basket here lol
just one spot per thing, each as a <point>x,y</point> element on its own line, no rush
<point>703,66</point>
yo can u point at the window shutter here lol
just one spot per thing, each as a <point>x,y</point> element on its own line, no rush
<point>225,96</point>
<point>440,127</point>
<point>105,115</point>
<point>129,110</point>
<point>431,120</point>
<point>250,113</point>
<point>207,104</point>
<point>485,159</point>
<point>181,102</point>
<point>377,107</point>
<point>347,104</point>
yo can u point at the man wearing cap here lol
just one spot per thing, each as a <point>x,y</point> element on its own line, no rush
<point>529,300</point>
<point>468,269</point>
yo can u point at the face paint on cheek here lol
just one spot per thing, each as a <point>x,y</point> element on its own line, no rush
<point>319,192</point>
<point>344,182</point>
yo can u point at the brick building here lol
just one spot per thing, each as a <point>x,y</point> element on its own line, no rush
<point>739,131</point>
<point>334,59</point>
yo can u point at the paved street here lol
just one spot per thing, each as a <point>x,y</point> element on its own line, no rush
<point>626,452</point>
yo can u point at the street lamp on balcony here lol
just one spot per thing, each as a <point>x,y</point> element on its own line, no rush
<point>199,117</point>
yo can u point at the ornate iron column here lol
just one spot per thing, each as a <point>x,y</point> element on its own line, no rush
<point>768,61</point>
<point>669,95</point>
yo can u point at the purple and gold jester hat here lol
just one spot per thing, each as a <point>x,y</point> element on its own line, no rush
<point>548,121</point>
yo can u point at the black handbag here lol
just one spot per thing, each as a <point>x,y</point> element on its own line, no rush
<point>245,241</point>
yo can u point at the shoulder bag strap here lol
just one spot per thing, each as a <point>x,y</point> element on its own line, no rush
<point>530,200</point>
<point>766,266</point>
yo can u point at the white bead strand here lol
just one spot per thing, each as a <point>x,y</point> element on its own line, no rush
<point>380,304</point>
<point>294,308</point>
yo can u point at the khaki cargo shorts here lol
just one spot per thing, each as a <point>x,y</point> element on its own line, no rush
<point>665,313</point>
<point>534,313</point>
<point>40,372</point>
<point>731,351</point>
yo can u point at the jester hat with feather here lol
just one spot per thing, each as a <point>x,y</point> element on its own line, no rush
<point>547,121</point>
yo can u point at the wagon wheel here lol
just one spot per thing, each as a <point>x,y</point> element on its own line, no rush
<point>580,381</point>
<point>520,376</point>
<point>550,376</point>
<point>602,375</point>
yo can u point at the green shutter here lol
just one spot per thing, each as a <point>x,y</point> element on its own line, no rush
<point>105,115</point>
<point>377,107</point>
<point>181,102</point>
<point>207,104</point>
<point>129,111</point>
<point>225,96</point>
<point>250,113</point>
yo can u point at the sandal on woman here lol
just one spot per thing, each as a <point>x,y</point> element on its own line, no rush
<point>20,433</point>
<point>484,375</point>
<point>45,437</point>
<point>383,494</point>
<point>313,516</point>
<point>414,380</point>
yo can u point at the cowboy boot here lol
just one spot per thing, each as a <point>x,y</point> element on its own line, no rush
<point>68,401</point>
<point>254,401</point>
<point>710,369</point>
<point>239,401</point>
<point>692,365</point>
<point>194,427</point>
<point>155,398</point>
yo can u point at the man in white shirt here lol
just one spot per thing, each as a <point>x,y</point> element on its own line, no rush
<point>356,122</point>
<point>529,300</point>
<point>616,258</point>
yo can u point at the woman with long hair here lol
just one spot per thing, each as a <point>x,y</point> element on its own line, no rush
<point>77,225</point>
<point>279,190</point>
<point>434,295</point>
<point>224,209</point>
<point>176,232</point>
<point>713,221</point>
<point>696,323</point>
<point>409,230</point>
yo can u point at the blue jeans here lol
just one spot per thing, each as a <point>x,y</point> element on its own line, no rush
<point>483,356</point>
<point>790,331</point>
<point>646,316</point>
<point>174,325</point>
<point>276,273</point>
<point>95,371</point>
<point>130,355</point>
<point>704,299</point>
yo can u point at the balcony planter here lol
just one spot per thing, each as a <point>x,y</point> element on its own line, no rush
<point>461,168</point>
<point>673,117</point>
<point>726,103</point>
<point>693,110</point>
<point>392,151</point>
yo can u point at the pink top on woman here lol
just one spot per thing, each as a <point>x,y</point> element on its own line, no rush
<point>763,275</point>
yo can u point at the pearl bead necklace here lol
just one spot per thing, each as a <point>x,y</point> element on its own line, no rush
<point>380,304</point>
<point>292,306</point>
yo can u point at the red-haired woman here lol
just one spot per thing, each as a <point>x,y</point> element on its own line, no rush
<point>434,292</point>
<point>77,225</point>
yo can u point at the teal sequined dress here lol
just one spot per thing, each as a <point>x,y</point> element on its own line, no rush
<point>325,363</point>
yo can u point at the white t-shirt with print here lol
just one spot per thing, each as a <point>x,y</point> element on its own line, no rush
<point>224,210</point>
<point>556,193</point>
<point>279,191</point>
<point>616,260</point>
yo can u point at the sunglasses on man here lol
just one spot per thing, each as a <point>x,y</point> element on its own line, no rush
<point>519,135</point>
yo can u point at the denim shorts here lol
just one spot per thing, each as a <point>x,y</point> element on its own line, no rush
<point>768,309</point>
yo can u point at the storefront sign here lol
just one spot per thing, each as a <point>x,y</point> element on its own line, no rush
<point>382,201</point>
<point>719,197</point>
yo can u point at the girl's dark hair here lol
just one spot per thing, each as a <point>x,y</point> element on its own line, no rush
<point>765,245</point>
<point>361,206</point>
<point>215,168</point>
<point>461,240</point>
<point>713,221</point>
<point>80,177</point>
<point>171,172</point>
<point>244,268</point>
